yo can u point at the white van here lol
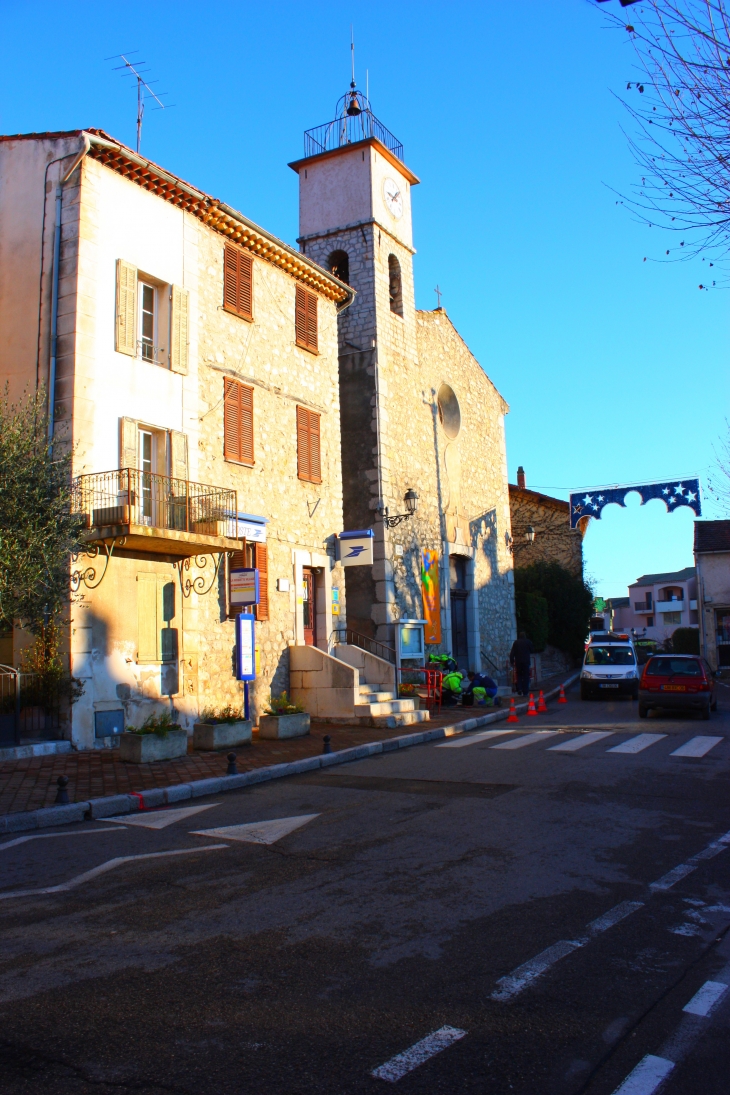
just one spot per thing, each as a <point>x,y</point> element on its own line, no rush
<point>609,667</point>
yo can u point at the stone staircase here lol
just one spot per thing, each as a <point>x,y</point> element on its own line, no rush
<point>378,708</point>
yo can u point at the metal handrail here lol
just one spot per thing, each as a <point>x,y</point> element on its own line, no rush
<point>348,130</point>
<point>127,496</point>
<point>354,638</point>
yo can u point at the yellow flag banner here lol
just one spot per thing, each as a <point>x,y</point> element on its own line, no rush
<point>431,594</point>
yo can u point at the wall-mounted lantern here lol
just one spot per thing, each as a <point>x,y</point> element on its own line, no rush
<point>410,500</point>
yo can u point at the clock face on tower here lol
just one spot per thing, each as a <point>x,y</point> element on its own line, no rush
<point>392,197</point>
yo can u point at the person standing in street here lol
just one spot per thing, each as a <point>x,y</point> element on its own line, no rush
<point>519,657</point>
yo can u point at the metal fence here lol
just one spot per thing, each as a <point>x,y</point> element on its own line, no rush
<point>347,130</point>
<point>128,496</point>
<point>27,709</point>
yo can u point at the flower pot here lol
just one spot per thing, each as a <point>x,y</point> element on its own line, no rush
<point>284,726</point>
<point>143,748</point>
<point>221,735</point>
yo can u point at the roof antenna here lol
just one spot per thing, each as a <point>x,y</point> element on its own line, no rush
<point>352,52</point>
<point>144,91</point>
<point>353,108</point>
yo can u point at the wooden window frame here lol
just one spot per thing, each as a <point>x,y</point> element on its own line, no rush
<point>309,469</point>
<point>238,282</point>
<point>306,320</point>
<point>235,405</point>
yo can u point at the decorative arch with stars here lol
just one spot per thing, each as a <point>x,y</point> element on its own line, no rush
<point>674,494</point>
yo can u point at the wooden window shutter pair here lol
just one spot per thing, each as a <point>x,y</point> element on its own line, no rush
<point>260,560</point>
<point>237,422</point>
<point>238,282</point>
<point>125,341</point>
<point>179,330</point>
<point>309,465</point>
<point>305,319</point>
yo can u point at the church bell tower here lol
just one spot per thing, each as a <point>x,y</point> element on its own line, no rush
<point>355,220</point>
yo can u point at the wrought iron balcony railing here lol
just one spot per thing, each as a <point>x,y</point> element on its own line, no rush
<point>347,130</point>
<point>128,496</point>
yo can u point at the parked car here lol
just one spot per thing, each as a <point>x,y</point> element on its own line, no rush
<point>609,668</point>
<point>677,682</point>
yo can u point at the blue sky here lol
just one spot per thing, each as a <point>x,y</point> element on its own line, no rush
<point>615,369</point>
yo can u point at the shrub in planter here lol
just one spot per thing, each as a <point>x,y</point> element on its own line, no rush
<point>220,728</point>
<point>284,719</point>
<point>158,738</point>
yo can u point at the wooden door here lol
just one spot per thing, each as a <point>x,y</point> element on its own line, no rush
<point>309,607</point>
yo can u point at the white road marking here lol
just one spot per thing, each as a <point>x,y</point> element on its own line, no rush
<point>259,832</point>
<point>646,1077</point>
<point>528,739</point>
<point>104,867</point>
<point>704,1001</point>
<point>637,743</point>
<point>49,836</point>
<point>428,1047</point>
<point>683,869</point>
<point>696,747</point>
<point>160,819</point>
<point>525,974</point>
<point>472,739</point>
<point>580,742</point>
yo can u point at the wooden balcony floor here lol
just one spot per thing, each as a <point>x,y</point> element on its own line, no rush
<point>161,541</point>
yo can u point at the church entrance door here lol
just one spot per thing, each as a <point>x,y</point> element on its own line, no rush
<point>459,597</point>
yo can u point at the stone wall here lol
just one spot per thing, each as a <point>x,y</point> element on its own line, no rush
<point>555,541</point>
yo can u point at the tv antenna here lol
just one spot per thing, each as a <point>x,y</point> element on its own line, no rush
<point>352,52</point>
<point>144,91</point>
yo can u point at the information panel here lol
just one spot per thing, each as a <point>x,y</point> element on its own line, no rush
<point>245,647</point>
<point>244,586</point>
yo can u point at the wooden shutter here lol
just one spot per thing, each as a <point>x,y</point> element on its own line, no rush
<point>305,318</point>
<point>262,564</point>
<point>309,465</point>
<point>147,625</point>
<point>126,321</point>
<point>178,455</point>
<point>179,330</point>
<point>128,443</point>
<point>237,422</point>
<point>238,282</point>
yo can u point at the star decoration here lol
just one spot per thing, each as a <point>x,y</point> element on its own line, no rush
<point>600,497</point>
<point>691,496</point>
<point>679,489</point>
<point>588,500</point>
<point>666,490</point>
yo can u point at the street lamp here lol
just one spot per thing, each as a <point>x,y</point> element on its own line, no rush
<point>530,534</point>
<point>410,500</point>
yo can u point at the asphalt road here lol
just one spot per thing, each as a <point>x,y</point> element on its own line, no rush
<point>461,917</point>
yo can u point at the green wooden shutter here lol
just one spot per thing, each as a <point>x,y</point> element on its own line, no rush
<point>148,631</point>
<point>179,330</point>
<point>126,322</point>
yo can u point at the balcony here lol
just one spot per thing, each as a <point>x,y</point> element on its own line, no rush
<point>675,605</point>
<point>643,606</point>
<point>156,513</point>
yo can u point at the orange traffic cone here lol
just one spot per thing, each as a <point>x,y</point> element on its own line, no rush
<point>531,706</point>
<point>561,697</point>
<point>512,711</point>
<point>541,705</point>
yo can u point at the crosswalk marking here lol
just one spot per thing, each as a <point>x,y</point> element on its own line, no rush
<point>696,747</point>
<point>472,739</point>
<point>528,739</point>
<point>580,742</point>
<point>647,1077</point>
<point>428,1047</point>
<point>637,743</point>
<point>705,999</point>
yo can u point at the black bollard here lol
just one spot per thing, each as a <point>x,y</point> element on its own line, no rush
<point>231,770</point>
<point>326,747</point>
<point>62,793</point>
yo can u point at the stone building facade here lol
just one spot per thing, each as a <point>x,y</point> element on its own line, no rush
<point>418,412</point>
<point>554,540</point>
<point>205,427</point>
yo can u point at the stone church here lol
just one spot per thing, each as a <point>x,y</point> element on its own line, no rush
<point>422,424</point>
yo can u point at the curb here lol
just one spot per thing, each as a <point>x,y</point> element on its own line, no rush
<point>114,805</point>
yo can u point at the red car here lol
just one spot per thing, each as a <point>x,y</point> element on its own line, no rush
<point>677,682</point>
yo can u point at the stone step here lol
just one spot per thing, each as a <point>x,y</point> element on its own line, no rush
<point>377,697</point>
<point>387,707</point>
<point>405,718</point>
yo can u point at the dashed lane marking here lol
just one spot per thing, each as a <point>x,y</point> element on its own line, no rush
<point>705,999</point>
<point>259,832</point>
<point>575,744</point>
<point>696,747</point>
<point>647,1077</point>
<point>683,869</point>
<point>528,739</point>
<point>160,819</point>
<point>51,836</point>
<point>637,743</point>
<point>422,1051</point>
<point>473,738</point>
<point>110,865</point>
<point>525,974</point>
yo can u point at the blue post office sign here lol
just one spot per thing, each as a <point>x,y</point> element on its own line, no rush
<point>245,647</point>
<point>356,547</point>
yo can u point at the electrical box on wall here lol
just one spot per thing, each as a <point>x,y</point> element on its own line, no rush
<point>108,724</point>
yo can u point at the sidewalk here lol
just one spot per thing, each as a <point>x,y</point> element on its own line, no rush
<point>30,783</point>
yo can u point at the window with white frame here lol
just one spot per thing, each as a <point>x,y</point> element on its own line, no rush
<point>147,342</point>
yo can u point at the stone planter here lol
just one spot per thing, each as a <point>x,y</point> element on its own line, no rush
<point>142,748</point>
<point>221,735</point>
<point>284,726</point>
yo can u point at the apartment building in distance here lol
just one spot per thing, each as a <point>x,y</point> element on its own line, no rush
<point>658,604</point>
